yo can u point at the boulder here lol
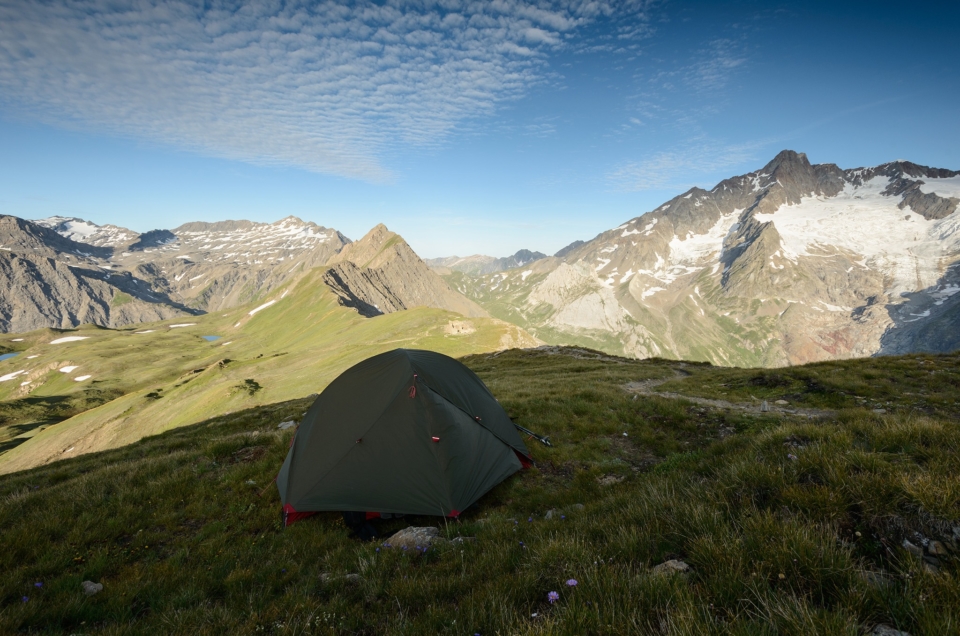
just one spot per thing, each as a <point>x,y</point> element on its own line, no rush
<point>413,537</point>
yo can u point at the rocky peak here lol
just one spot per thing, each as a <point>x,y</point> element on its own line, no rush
<point>83,231</point>
<point>380,274</point>
<point>378,246</point>
<point>20,235</point>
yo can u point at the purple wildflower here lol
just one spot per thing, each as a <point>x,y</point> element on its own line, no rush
<point>530,519</point>
<point>25,599</point>
<point>563,516</point>
<point>572,582</point>
<point>553,597</point>
<point>378,549</point>
<point>38,584</point>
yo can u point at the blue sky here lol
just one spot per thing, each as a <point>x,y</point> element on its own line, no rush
<point>467,127</point>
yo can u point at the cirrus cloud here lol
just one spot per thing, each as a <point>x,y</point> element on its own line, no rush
<point>324,86</point>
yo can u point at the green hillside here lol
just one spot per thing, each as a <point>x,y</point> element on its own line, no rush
<point>142,381</point>
<point>789,493</point>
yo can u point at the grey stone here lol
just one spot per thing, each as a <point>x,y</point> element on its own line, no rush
<point>886,630</point>
<point>285,425</point>
<point>915,550</point>
<point>90,588</point>
<point>550,514</point>
<point>353,579</point>
<point>781,402</point>
<point>764,407</point>
<point>413,537</point>
<point>577,506</point>
<point>880,411</point>
<point>673,566</point>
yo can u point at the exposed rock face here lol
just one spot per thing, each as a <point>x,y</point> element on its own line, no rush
<point>116,277</point>
<point>790,264</point>
<point>380,274</point>
<point>479,264</point>
<point>47,280</point>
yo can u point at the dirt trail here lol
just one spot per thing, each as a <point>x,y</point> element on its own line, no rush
<point>645,387</point>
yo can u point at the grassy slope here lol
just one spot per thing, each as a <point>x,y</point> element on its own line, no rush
<point>173,377</point>
<point>184,544</point>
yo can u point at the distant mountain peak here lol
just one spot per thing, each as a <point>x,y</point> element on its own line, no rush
<point>480,264</point>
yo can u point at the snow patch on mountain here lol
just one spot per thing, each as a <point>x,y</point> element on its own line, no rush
<point>863,222</point>
<point>948,187</point>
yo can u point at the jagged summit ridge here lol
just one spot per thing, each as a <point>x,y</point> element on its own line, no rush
<point>381,273</point>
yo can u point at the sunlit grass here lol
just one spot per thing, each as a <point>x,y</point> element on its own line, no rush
<point>790,525</point>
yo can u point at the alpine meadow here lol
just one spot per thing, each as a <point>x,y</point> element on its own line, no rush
<point>521,317</point>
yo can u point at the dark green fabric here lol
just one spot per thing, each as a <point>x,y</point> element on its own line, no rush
<point>396,466</point>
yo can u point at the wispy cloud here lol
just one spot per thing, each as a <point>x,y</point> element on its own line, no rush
<point>716,65</point>
<point>683,166</point>
<point>327,86</point>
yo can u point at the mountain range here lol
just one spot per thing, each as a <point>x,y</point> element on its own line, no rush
<point>61,272</point>
<point>789,264</point>
<point>792,263</point>
<point>479,264</point>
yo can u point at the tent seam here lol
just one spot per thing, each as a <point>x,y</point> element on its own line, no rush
<point>474,417</point>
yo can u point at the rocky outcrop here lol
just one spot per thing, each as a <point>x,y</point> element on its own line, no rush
<point>380,274</point>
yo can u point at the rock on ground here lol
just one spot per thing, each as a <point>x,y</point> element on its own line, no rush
<point>413,537</point>
<point>672,566</point>
<point>886,630</point>
<point>90,588</point>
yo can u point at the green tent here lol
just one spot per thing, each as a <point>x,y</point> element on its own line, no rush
<point>404,432</point>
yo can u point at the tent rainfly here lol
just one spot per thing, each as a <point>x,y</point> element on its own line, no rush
<point>403,432</point>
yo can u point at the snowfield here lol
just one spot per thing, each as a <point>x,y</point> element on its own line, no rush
<point>864,223</point>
